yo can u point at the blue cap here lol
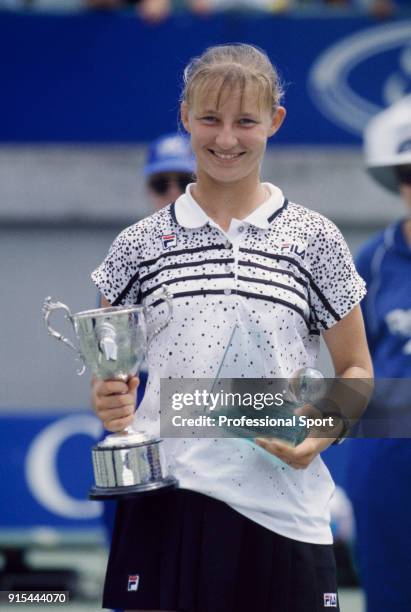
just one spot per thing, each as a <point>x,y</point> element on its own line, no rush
<point>170,153</point>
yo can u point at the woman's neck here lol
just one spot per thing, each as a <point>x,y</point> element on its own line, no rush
<point>223,201</point>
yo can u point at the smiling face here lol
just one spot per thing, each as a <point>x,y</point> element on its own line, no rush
<point>229,131</point>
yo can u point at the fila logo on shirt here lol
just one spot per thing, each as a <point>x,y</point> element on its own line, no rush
<point>330,600</point>
<point>169,240</point>
<point>133,582</point>
<point>292,247</point>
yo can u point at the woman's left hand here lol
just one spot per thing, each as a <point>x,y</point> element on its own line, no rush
<point>299,457</point>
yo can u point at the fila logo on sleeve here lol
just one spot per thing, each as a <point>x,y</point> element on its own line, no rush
<point>292,247</point>
<point>169,240</point>
<point>330,600</point>
<point>133,582</point>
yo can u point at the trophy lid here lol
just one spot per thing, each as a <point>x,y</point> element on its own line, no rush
<point>124,439</point>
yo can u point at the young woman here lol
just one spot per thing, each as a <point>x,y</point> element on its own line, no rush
<point>243,532</point>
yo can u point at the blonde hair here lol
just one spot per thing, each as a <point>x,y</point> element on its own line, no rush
<point>225,67</point>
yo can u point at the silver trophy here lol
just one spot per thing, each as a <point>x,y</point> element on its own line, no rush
<point>113,343</point>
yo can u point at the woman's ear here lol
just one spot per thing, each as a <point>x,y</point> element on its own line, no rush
<point>277,120</point>
<point>184,112</point>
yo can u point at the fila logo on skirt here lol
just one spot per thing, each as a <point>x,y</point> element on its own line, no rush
<point>330,600</point>
<point>133,582</point>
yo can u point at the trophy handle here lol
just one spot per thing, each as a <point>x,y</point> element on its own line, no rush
<point>163,294</point>
<point>48,307</point>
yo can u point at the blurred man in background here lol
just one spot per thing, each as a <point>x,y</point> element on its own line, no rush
<point>380,466</point>
<point>169,168</point>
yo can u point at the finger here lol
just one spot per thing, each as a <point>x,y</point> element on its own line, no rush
<point>274,442</point>
<point>268,445</point>
<point>298,466</point>
<point>108,402</point>
<point>261,442</point>
<point>133,383</point>
<point>116,413</point>
<point>118,424</point>
<point>277,446</point>
<point>111,387</point>
<point>312,445</point>
<point>298,457</point>
<point>282,451</point>
<point>294,461</point>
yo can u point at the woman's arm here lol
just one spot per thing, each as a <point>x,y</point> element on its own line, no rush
<point>348,348</point>
<point>347,344</point>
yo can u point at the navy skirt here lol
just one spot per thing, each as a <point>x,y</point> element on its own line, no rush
<point>181,551</point>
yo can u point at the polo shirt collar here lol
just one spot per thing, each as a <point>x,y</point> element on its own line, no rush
<point>189,213</point>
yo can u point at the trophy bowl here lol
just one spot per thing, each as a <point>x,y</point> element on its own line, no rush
<point>113,343</point>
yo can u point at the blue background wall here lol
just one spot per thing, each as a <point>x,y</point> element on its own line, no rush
<point>96,77</point>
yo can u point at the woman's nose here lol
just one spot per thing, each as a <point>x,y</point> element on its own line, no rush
<point>226,138</point>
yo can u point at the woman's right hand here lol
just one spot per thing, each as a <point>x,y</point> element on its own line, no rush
<point>114,402</point>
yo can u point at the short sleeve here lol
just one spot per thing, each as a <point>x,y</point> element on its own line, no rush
<point>335,285</point>
<point>117,277</point>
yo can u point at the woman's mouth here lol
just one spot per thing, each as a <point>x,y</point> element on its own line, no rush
<point>226,156</point>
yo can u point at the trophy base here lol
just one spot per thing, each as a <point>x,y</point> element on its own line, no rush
<point>150,488</point>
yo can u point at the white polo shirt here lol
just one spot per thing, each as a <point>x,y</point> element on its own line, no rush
<point>281,276</point>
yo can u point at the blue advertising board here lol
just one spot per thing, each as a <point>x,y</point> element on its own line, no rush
<point>46,470</point>
<point>106,78</point>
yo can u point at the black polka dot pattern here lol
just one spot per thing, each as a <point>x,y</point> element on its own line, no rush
<point>289,282</point>
<point>281,287</point>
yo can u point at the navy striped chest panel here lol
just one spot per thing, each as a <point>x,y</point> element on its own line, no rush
<point>202,263</point>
